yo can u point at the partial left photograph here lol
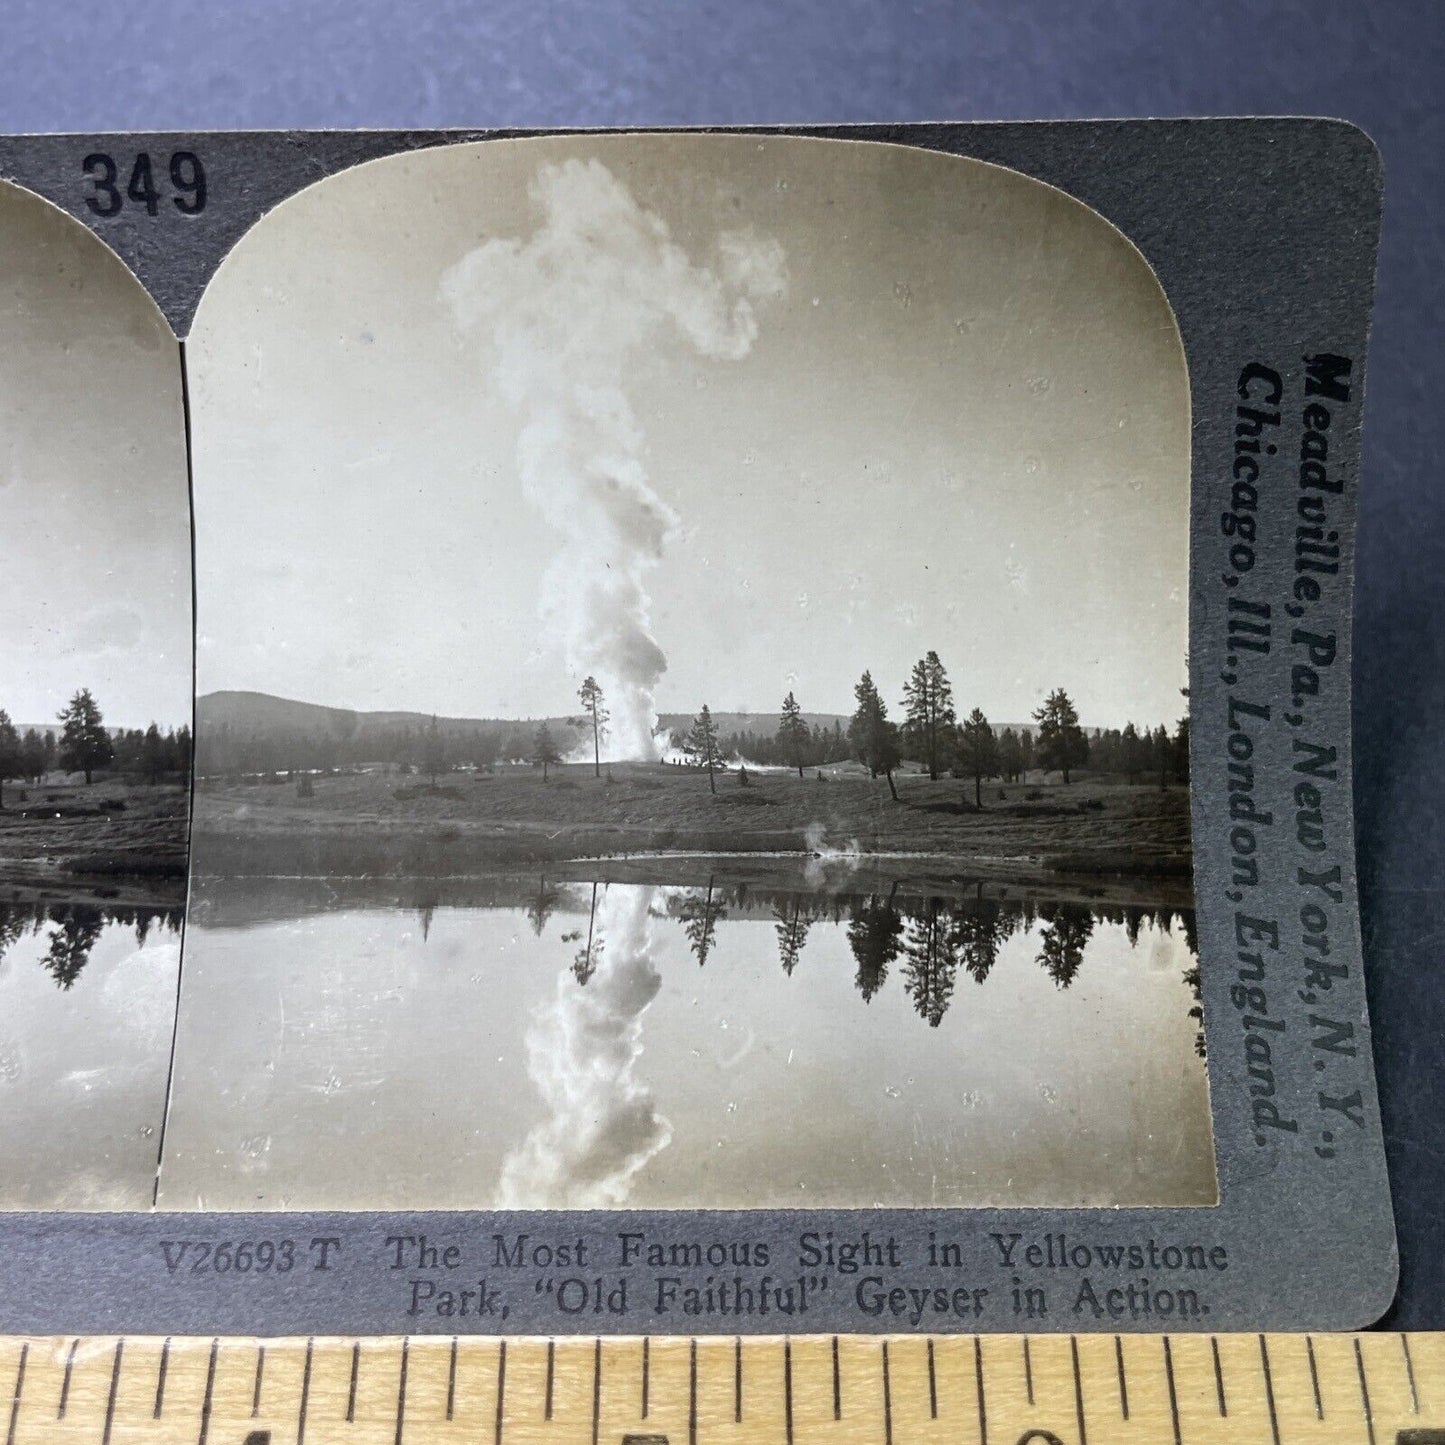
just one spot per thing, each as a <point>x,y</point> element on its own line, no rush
<point>95,715</point>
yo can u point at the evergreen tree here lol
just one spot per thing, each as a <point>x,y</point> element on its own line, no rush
<point>590,694</point>
<point>12,757</point>
<point>70,945</point>
<point>1062,744</point>
<point>875,935</point>
<point>1026,753</point>
<point>1131,752</point>
<point>980,929</point>
<point>434,751</point>
<point>874,738</point>
<point>793,925</point>
<point>1181,749</point>
<point>1161,754</point>
<point>84,743</point>
<point>544,749</point>
<point>928,710</point>
<point>1061,945</point>
<point>793,737</point>
<point>32,752</point>
<point>153,753</point>
<point>700,917</point>
<point>702,744</point>
<point>543,905</point>
<point>978,752</point>
<point>1010,756</point>
<point>584,965</point>
<point>932,963</point>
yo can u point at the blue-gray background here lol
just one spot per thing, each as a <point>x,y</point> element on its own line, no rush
<point>90,65</point>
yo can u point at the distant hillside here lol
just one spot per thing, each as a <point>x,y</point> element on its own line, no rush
<point>260,712</point>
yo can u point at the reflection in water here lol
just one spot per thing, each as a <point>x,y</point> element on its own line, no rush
<point>876,937</point>
<point>545,902</point>
<point>701,913</point>
<point>87,1000</point>
<point>793,923</point>
<point>584,965</point>
<point>558,1046</point>
<point>74,929</point>
<point>602,1124</point>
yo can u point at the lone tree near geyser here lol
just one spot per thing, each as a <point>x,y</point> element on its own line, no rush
<point>928,711</point>
<point>874,738</point>
<point>793,735</point>
<point>977,752</point>
<point>84,743</point>
<point>702,744</point>
<point>544,749</point>
<point>12,755</point>
<point>590,694</point>
<point>1061,742</point>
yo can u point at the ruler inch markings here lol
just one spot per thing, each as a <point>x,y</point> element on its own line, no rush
<point>1269,1389</point>
<point>738,1376</point>
<point>501,1390</point>
<point>305,1393</point>
<point>978,1382</point>
<point>18,1392</point>
<point>1173,1390</point>
<point>65,1382</point>
<point>208,1400</point>
<point>1364,1392</point>
<point>878,1390</point>
<point>401,1388</point>
<point>1410,1373</point>
<point>596,1388</point>
<point>161,1369</point>
<point>1314,1377</point>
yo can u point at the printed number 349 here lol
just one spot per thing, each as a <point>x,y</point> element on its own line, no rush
<point>187,175</point>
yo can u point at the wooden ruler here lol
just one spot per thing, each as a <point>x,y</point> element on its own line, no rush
<point>1374,1389</point>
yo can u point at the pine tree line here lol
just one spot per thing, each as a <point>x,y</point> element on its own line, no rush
<point>927,942</point>
<point>932,736</point>
<point>85,745</point>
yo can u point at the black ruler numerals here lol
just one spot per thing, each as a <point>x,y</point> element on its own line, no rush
<point>112,187</point>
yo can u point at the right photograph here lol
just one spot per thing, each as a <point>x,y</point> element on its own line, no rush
<point>691,693</point>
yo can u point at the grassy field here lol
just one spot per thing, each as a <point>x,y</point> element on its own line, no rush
<point>386,824</point>
<point>114,840</point>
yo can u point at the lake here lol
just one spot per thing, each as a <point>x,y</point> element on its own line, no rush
<point>87,1007</point>
<point>575,1045</point>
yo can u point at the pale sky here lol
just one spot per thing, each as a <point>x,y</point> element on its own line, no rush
<point>963,426</point>
<point>95,563</point>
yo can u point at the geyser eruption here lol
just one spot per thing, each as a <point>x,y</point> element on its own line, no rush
<point>563,310</point>
<point>602,1124</point>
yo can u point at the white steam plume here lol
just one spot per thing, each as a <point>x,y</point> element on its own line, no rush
<point>602,1124</point>
<point>564,309</point>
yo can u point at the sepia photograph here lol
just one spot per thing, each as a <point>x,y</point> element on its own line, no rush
<point>95,714</point>
<point>691,692</point>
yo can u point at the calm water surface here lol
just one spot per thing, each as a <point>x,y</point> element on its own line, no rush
<point>87,1004</point>
<point>663,1047</point>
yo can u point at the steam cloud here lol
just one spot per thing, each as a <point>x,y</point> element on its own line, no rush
<point>602,1126</point>
<point>564,309</point>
